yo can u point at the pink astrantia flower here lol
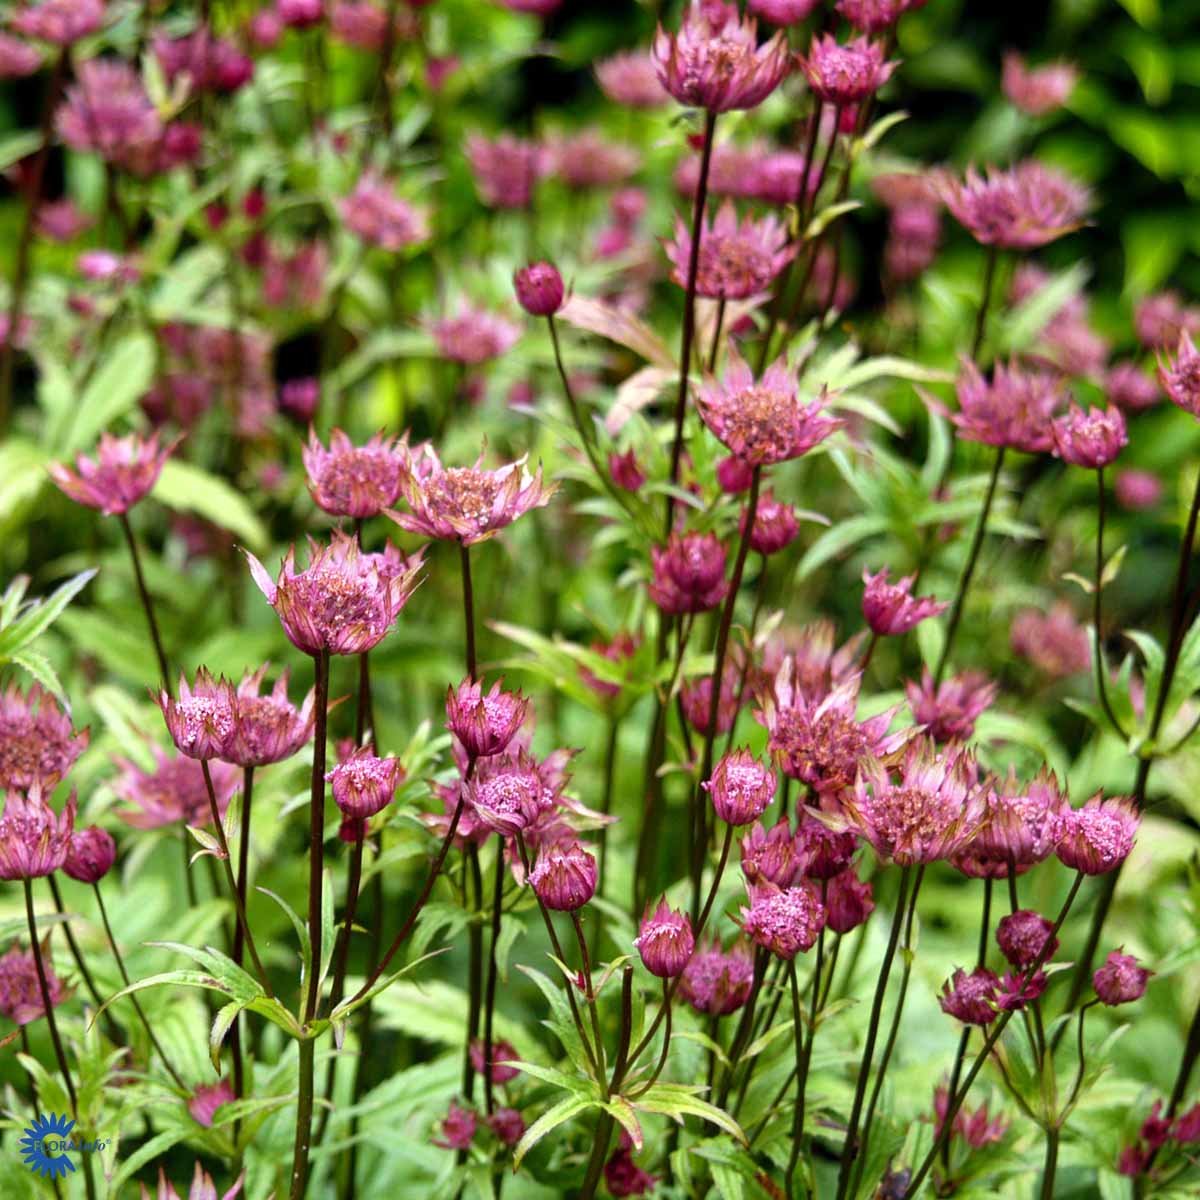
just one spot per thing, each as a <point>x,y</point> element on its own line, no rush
<point>59,22</point>
<point>1098,837</point>
<point>665,940</point>
<point>738,259</point>
<point>588,160</point>
<point>37,744</point>
<point>626,471</point>
<point>914,235</point>
<point>34,840</point>
<point>1037,90</point>
<point>620,650</point>
<point>971,998</point>
<point>824,852</point>
<point>202,1187</point>
<point>364,24</point>
<point>875,16</point>
<point>782,12</point>
<point>564,877</point>
<point>1021,827</point>
<point>1089,439</point>
<point>844,75</point>
<point>734,475</point>
<point>123,471</point>
<point>539,288</point>
<point>269,728</point>
<point>503,1055</point>
<point>715,62</point>
<point>1053,641</point>
<point>201,721</point>
<point>353,481</point>
<point>623,1177</point>
<point>18,59</point>
<point>505,170</point>
<point>207,1098</point>
<point>510,799</point>
<point>458,1128</point>
<point>484,722</point>
<point>817,664</point>
<point>90,855</point>
<point>466,504</point>
<point>474,335</point>
<point>1021,208</point>
<point>1120,980</point>
<point>344,601</point>
<point>364,784</point>
<point>1022,936</point>
<point>1181,378</point>
<point>1160,319</point>
<point>20,988</point>
<point>1015,408</point>
<point>773,856</point>
<point>1137,490</point>
<point>1130,387</point>
<point>689,573</point>
<point>62,220</point>
<point>740,788</point>
<point>376,215</point>
<point>931,809</point>
<point>210,63</point>
<point>776,525</point>
<point>849,901</point>
<point>696,699</point>
<point>631,78</point>
<point>717,982</point>
<point>763,421</point>
<point>785,921</point>
<point>107,111</point>
<point>174,790</point>
<point>949,711</point>
<point>891,608</point>
<point>976,1128</point>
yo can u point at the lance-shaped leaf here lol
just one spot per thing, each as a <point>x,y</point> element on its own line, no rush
<point>564,1110</point>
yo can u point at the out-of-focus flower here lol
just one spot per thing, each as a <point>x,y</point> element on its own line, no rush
<point>717,982</point>
<point>1021,827</point>
<point>353,481</point>
<point>20,989</point>
<point>776,525</point>
<point>300,14</point>
<point>587,160</point>
<point>1130,387</point>
<point>1017,992</point>
<point>631,78</point>
<point>108,112</point>
<point>59,22</point>
<point>507,1124</point>
<point>1137,490</point>
<point>891,608</point>
<point>484,722</point>
<point>34,840</point>
<point>458,1128</point>
<point>102,266</point>
<point>364,24</point>
<point>715,62</point>
<point>1181,377</point>
<point>842,75</point>
<point>123,471</point>
<point>539,289</point>
<point>300,397</point>
<point>540,8</point>
<point>1022,937</point>
<point>816,665</point>
<point>763,421</point>
<point>202,1187</point>
<point>824,852</point>
<point>364,784</point>
<point>173,791</point>
<point>740,788</point>
<point>689,573</point>
<point>1098,837</point>
<point>210,63</point>
<point>1015,408</point>
<point>61,220</point>
<point>620,649</point>
<point>626,471</point>
<point>737,259</point>
<point>977,1128</point>
<point>849,901</point>
<point>207,1098</point>
<point>564,877</point>
<point>376,215</point>
<point>1132,1160</point>
<point>914,234</point>
<point>344,601</point>
<point>785,921</point>
<point>1120,980</point>
<point>971,998</point>
<point>37,744</point>
<point>504,1054</point>
<point>949,711</point>
<point>1187,1126</point>
<point>294,277</point>
<point>474,335</point>
<point>506,170</point>
<point>1020,208</point>
<point>1160,319</point>
<point>623,1177</point>
<point>17,58</point>
<point>90,855</point>
<point>665,941</point>
<point>1091,439</point>
<point>1054,642</point>
<point>1037,90</point>
<point>782,12</point>
<point>466,504</point>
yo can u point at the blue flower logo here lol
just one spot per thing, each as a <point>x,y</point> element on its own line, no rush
<point>38,1157</point>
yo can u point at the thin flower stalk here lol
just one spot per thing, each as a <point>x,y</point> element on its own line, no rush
<point>147,605</point>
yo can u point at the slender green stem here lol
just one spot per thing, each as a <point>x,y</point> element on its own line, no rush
<point>474,969</point>
<point>1051,1164</point>
<point>76,953</point>
<point>304,1112</point>
<point>1101,684</point>
<point>316,843</point>
<point>803,1047</point>
<point>590,991</point>
<point>490,1002</point>
<point>147,606</point>
<point>985,302</point>
<point>239,937</point>
<point>745,1024</point>
<point>716,337</point>
<point>468,597</point>
<point>610,773</point>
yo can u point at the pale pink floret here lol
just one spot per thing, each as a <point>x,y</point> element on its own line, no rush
<point>268,728</point>
<point>344,601</point>
<point>20,989</point>
<point>201,721</point>
<point>741,788</point>
<point>764,421</point>
<point>930,809</point>
<point>37,744</point>
<point>1180,377</point>
<point>375,214</point>
<point>715,981</point>
<point>173,791</point>
<point>1098,837</point>
<point>715,62</point>
<point>891,608</point>
<point>1015,408</point>
<point>59,22</point>
<point>843,75</point>
<point>473,335</point>
<point>631,78</point>
<point>1021,827</point>
<point>122,472</point>
<point>1018,209</point>
<point>466,504</point>
<point>1037,90</point>
<point>785,921</point>
<point>737,259</point>
<point>1091,439</point>
<point>353,481</point>
<point>510,799</point>
<point>34,840</point>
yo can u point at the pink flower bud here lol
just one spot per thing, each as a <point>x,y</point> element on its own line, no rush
<point>507,1124</point>
<point>458,1128</point>
<point>689,573</point>
<point>1098,837</point>
<point>734,475</point>
<point>970,998</point>
<point>741,788</point>
<point>1022,936</point>
<point>484,723</point>
<point>890,608</point>
<point>91,854</point>
<point>564,877</point>
<point>665,941</point>
<point>539,289</point>
<point>503,1053</point>
<point>626,471</point>
<point>785,921</point>
<point>363,784</point>
<point>1120,980</point>
<point>849,901</point>
<point>1089,439</point>
<point>717,982</point>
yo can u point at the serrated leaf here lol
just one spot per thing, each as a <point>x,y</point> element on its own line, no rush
<point>564,1110</point>
<point>674,1100</point>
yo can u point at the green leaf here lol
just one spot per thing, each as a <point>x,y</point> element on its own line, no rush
<point>676,1100</point>
<point>38,665</point>
<point>564,1110</point>
<point>41,614</point>
<point>839,539</point>
<point>16,146</point>
<point>184,486</point>
<point>221,1025</point>
<point>123,376</point>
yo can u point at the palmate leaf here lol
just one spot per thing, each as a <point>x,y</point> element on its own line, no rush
<point>677,1100</point>
<point>564,1110</point>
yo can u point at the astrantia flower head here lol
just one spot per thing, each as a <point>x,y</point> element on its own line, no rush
<point>782,12</point>
<point>738,259</point>
<point>763,421</point>
<point>539,289</point>
<point>586,159</point>
<point>1014,409</point>
<point>891,608</point>
<point>209,63</point>
<point>503,1056</point>
<point>971,998</point>
<point>458,1128</point>
<point>300,14</point>
<point>849,901</point>
<point>90,855</point>
<point>1130,387</point>
<point>34,840</point>
<point>353,481</point>
<point>665,941</point>
<point>623,1177</point>
<point>824,852</point>
<point>268,728</point>
<point>631,78</point>
<point>741,788</point>
<point>1037,90</point>
<point>201,720</point>
<point>776,525</point>
<point>772,856</point>
<point>689,574</point>
<point>734,475</point>
<point>717,982</point>
<point>626,470</point>
<point>844,75</point>
<point>173,791</point>
<point>344,601</point>
<point>364,784</point>
<point>20,989</point>
<point>1098,837</point>
<point>37,744</point>
<point>376,215</point>
<point>59,22</point>
<point>785,921</point>
<point>1161,318</point>
<point>108,112</point>
<point>874,16</point>
<point>1181,378</point>
<point>931,810</point>
<point>207,1098</point>
<point>715,62</point>
<point>123,471</point>
<point>484,722</point>
<point>1021,827</point>
<point>474,335</point>
<point>1022,937</point>
<point>1137,490</point>
<point>1120,980</point>
<point>1089,439</point>
<point>505,170</point>
<point>1021,208</point>
<point>18,59</point>
<point>466,504</point>
<point>817,664</point>
<point>1053,641</point>
<point>1016,992</point>
<point>509,799</point>
<point>564,876</point>
<point>949,710</point>
<point>976,1128</point>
